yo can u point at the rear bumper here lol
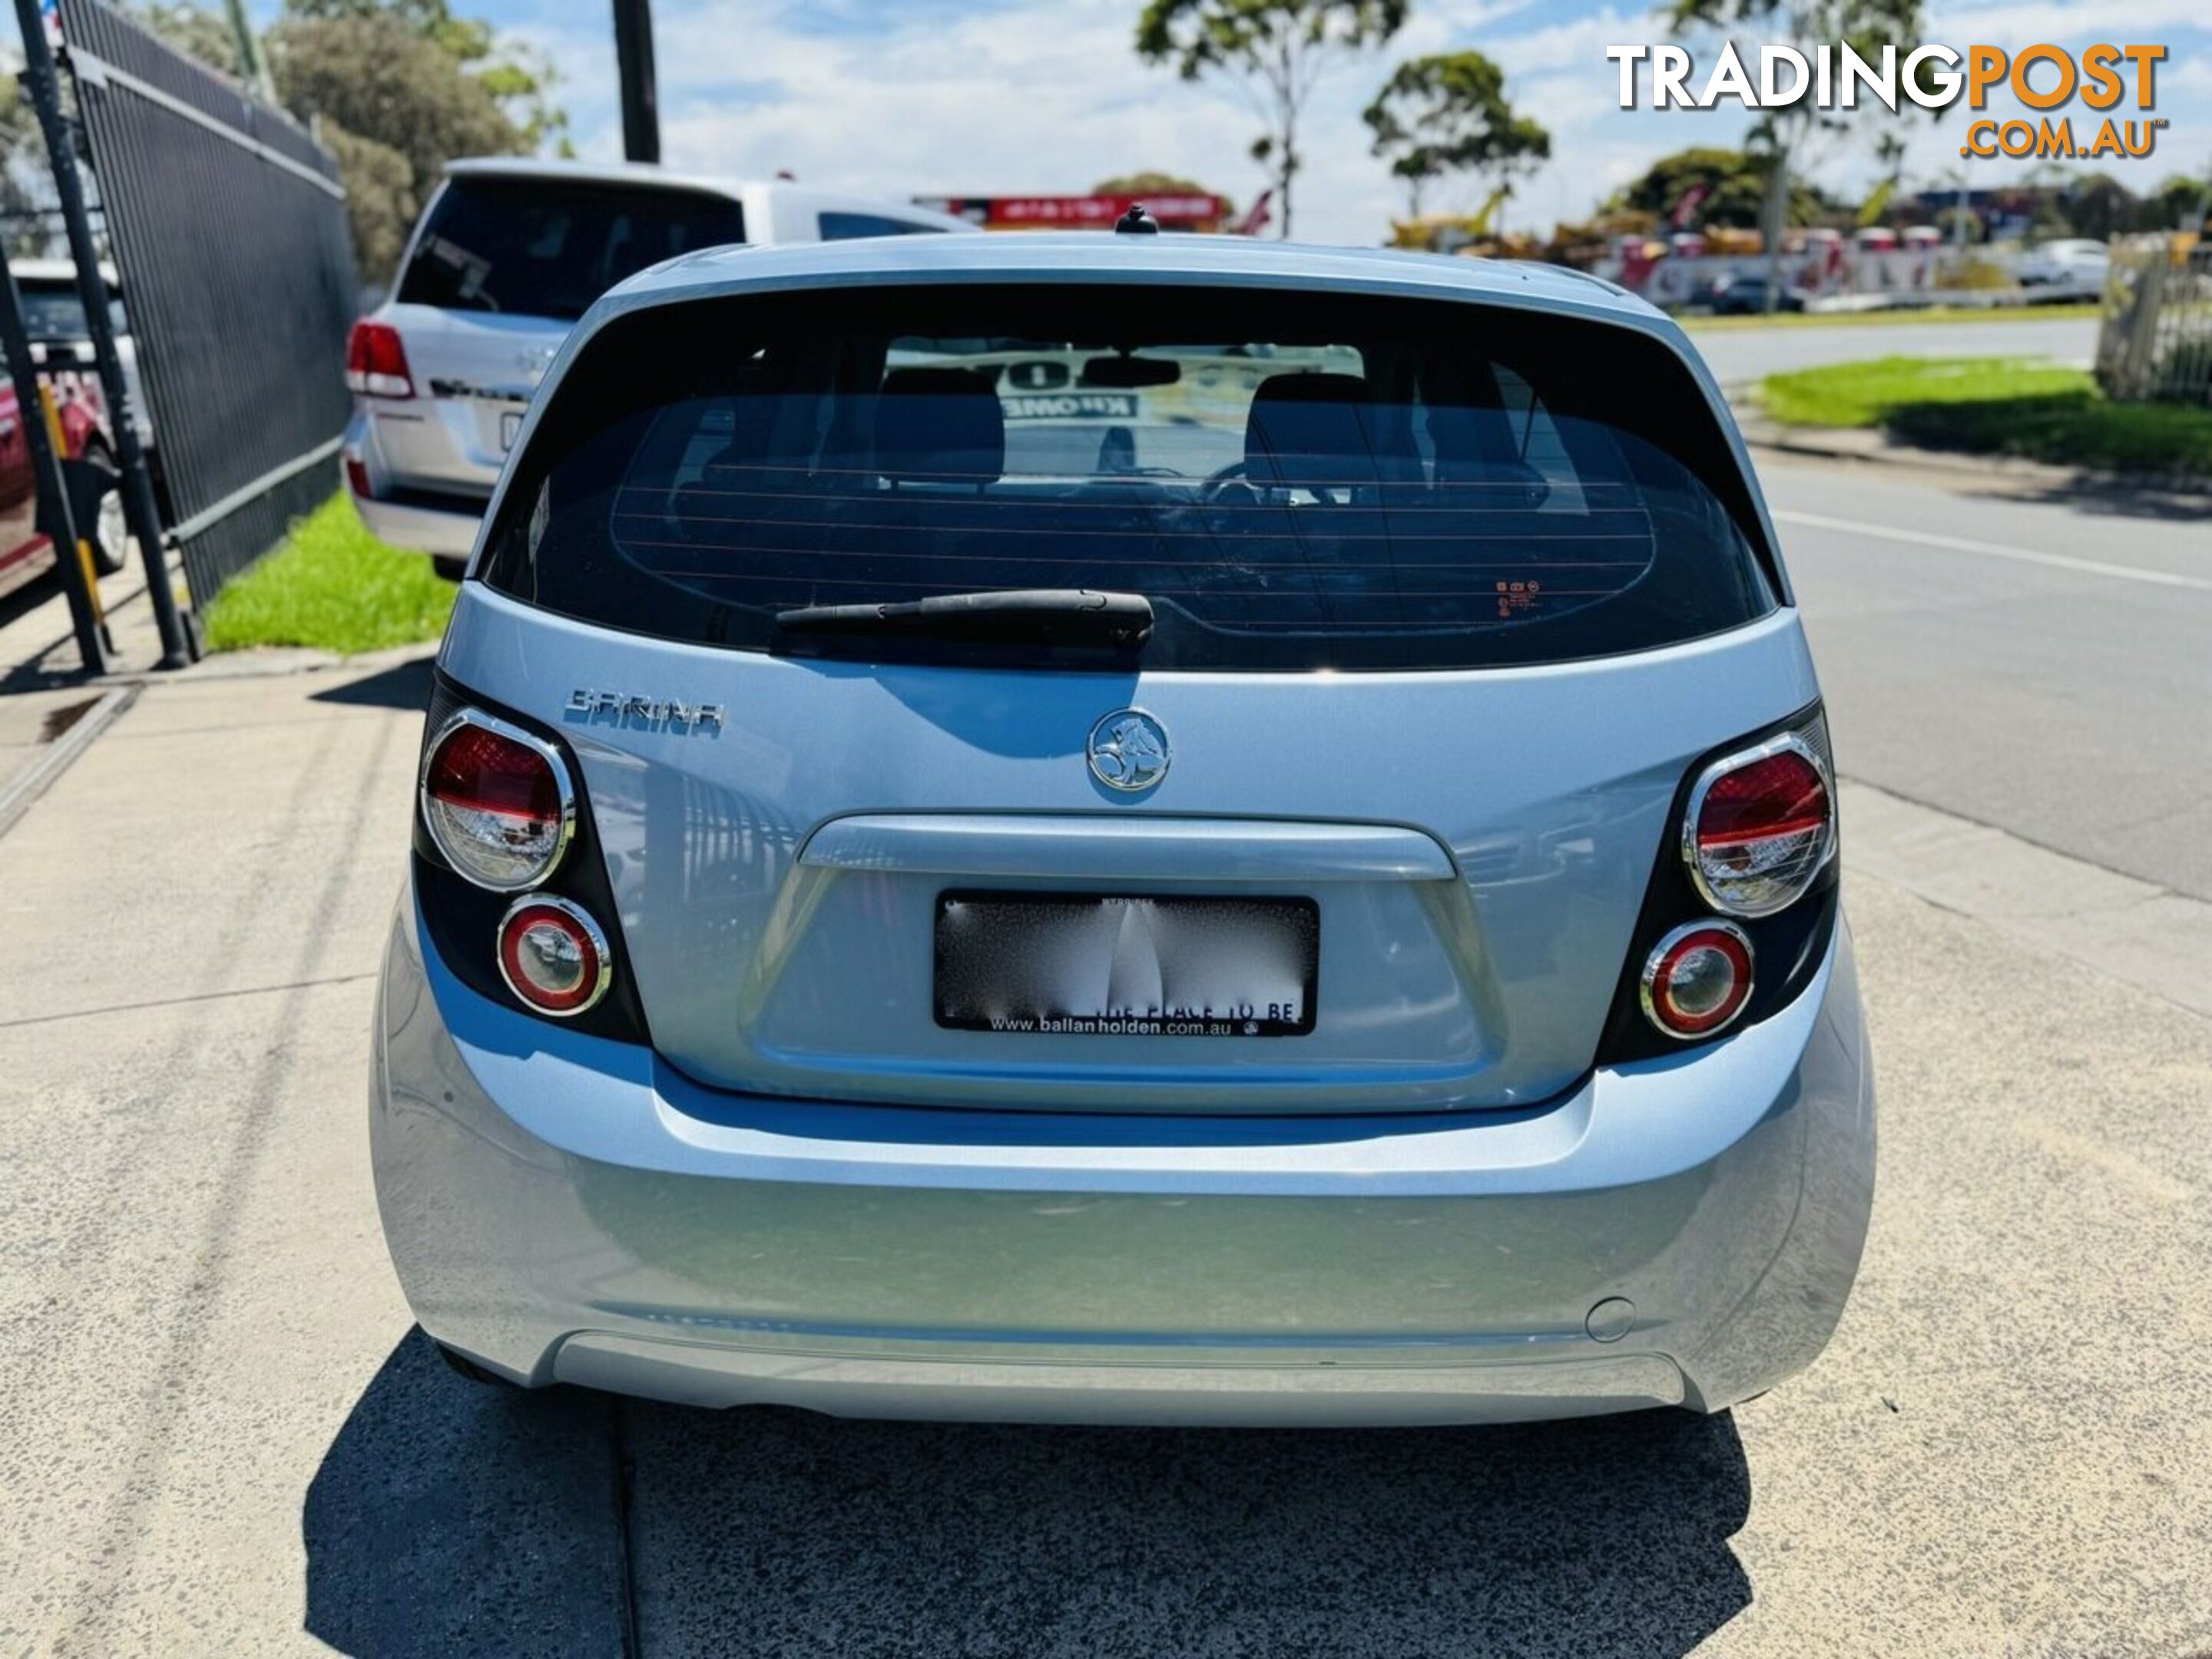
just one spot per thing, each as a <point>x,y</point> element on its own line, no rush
<point>442,532</point>
<point>561,1208</point>
<point>441,523</point>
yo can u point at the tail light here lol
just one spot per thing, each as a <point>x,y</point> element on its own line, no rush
<point>1697,979</point>
<point>376,361</point>
<point>1748,875</point>
<point>1760,826</point>
<point>496,801</point>
<point>554,956</point>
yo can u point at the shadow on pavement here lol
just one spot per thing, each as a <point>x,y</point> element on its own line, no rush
<point>2107,498</point>
<point>451,1518</point>
<point>771,1531</point>
<point>405,686</point>
<point>448,1517</point>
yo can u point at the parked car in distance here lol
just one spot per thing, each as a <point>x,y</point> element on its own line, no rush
<point>1746,296</point>
<point>53,316</point>
<point>1125,828</point>
<point>62,351</point>
<point>2068,268</point>
<point>509,254</point>
<point>88,466</point>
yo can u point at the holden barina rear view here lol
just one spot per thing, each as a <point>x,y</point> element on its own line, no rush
<point>1125,828</point>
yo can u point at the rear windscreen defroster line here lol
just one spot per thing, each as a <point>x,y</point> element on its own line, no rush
<point>1293,480</point>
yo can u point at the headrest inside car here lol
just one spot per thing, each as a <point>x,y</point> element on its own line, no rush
<point>1312,432</point>
<point>940,426</point>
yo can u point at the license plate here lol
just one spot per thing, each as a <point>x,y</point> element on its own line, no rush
<point>1105,964</point>
<point>510,423</point>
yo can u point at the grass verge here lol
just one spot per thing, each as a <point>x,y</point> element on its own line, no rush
<point>2051,313</point>
<point>334,586</point>
<point>2001,406</point>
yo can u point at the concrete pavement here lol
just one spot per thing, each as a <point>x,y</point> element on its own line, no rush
<point>217,1435</point>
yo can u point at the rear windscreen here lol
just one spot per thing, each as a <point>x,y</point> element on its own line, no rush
<point>537,247</point>
<point>1293,480</point>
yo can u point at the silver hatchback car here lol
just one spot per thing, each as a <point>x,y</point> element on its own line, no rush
<point>1121,829</point>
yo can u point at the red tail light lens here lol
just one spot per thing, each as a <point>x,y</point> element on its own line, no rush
<point>497,802</point>
<point>1697,979</point>
<point>376,361</point>
<point>1760,826</point>
<point>554,956</point>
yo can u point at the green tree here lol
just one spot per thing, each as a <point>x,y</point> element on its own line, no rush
<point>1274,52</point>
<point>193,30</point>
<point>2097,205</point>
<point>399,88</point>
<point>1780,136</point>
<point>1734,186</point>
<point>382,200</point>
<point>2178,204</point>
<point>389,96</point>
<point>1448,114</point>
<point>25,188</point>
<point>515,74</point>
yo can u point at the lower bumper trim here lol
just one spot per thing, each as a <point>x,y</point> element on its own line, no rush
<point>1213,1387</point>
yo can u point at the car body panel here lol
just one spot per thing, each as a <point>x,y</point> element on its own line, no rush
<point>26,552</point>
<point>563,1208</point>
<point>432,459</point>
<point>1442,1206</point>
<point>1549,788</point>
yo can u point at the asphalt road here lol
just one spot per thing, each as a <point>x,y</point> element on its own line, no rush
<point>1739,354</point>
<point>217,1435</point>
<point>2041,663</point>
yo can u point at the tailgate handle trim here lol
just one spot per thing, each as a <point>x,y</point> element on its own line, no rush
<point>1081,848</point>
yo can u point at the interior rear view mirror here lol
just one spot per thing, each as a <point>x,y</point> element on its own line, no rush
<point>1126,372</point>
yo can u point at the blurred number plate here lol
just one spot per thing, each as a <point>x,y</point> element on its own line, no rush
<point>1081,964</point>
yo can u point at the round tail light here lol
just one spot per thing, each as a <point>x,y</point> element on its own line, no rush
<point>1697,979</point>
<point>497,802</point>
<point>1760,825</point>
<point>554,956</point>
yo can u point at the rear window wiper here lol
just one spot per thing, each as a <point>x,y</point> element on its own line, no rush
<point>1046,615</point>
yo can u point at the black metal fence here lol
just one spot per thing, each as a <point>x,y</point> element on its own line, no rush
<point>229,229</point>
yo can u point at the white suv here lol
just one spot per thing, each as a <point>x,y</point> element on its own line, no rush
<point>508,255</point>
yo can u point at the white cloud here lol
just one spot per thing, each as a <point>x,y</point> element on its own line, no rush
<point>960,96</point>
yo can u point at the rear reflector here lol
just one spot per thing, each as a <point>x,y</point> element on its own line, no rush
<point>1697,979</point>
<point>554,956</point>
<point>376,361</point>
<point>497,802</point>
<point>356,472</point>
<point>1760,825</point>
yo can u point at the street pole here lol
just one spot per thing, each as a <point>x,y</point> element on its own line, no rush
<point>43,83</point>
<point>57,522</point>
<point>251,62</point>
<point>641,101</point>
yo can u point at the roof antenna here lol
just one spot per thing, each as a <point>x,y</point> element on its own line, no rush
<point>1137,222</point>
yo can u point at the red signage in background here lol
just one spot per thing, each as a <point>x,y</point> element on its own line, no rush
<point>1174,212</point>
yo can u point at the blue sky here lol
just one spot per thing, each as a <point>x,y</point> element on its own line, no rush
<point>900,97</point>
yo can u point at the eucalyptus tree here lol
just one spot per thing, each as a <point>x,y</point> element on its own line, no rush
<point>1274,52</point>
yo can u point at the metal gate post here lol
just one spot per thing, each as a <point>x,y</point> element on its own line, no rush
<point>56,518</point>
<point>139,508</point>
